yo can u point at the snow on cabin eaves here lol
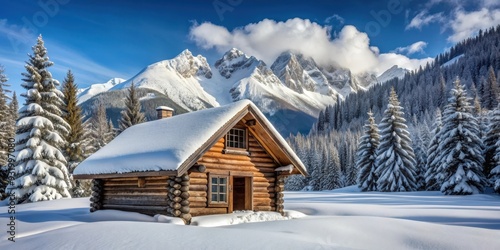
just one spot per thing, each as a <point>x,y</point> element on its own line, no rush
<point>166,144</point>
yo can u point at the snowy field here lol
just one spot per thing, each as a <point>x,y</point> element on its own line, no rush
<point>340,219</point>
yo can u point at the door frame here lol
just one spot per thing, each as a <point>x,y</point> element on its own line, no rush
<point>248,177</point>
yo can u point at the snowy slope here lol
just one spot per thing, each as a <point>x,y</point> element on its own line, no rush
<point>452,61</point>
<point>94,89</point>
<point>393,72</point>
<point>179,79</point>
<point>340,219</point>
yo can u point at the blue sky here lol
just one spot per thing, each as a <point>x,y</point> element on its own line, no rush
<point>102,39</point>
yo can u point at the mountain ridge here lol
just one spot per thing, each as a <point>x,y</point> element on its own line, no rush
<point>293,84</point>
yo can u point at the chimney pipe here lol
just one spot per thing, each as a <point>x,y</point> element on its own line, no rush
<point>164,112</point>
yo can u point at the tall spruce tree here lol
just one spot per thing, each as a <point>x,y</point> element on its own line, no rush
<point>431,181</point>
<point>366,155</point>
<point>421,159</point>
<point>13,109</point>
<point>40,167</point>
<point>395,158</point>
<point>495,172</point>
<point>494,127</point>
<point>132,114</point>
<point>73,116</point>
<point>460,148</point>
<point>5,117</point>
<point>491,91</point>
<point>99,128</point>
<point>5,127</point>
<point>74,149</point>
<point>491,137</point>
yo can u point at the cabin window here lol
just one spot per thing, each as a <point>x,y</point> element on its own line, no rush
<point>236,138</point>
<point>218,189</point>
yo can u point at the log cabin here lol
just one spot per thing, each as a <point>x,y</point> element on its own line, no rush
<point>212,161</point>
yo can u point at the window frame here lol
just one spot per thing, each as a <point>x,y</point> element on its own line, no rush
<point>212,203</point>
<point>245,140</point>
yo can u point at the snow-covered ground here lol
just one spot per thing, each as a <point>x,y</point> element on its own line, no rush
<point>340,219</point>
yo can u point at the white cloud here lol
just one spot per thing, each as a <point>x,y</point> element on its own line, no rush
<point>16,35</point>
<point>490,3</point>
<point>268,38</point>
<point>423,18</point>
<point>466,24</point>
<point>388,60</point>
<point>463,21</point>
<point>335,17</point>
<point>417,47</point>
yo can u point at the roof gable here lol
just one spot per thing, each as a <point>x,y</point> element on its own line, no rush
<point>175,143</point>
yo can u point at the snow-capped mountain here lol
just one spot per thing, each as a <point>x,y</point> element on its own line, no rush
<point>94,89</point>
<point>179,79</point>
<point>299,72</point>
<point>294,87</point>
<point>393,72</point>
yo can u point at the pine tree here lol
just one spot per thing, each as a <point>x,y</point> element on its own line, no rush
<point>495,172</point>
<point>395,158</point>
<point>5,127</point>
<point>132,114</point>
<point>73,116</point>
<point>421,159</point>
<point>430,176</point>
<point>460,148</point>
<point>333,169</point>
<point>40,167</point>
<point>4,119</point>
<point>365,162</point>
<point>491,91</point>
<point>101,132</point>
<point>491,137</point>
<point>13,110</point>
<point>74,148</point>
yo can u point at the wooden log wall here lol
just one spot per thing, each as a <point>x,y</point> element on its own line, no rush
<point>178,197</point>
<point>280,187</point>
<point>260,164</point>
<point>96,199</point>
<point>146,195</point>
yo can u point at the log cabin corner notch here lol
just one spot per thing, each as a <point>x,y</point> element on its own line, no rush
<point>211,161</point>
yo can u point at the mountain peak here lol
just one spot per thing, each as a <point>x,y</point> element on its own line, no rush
<point>188,65</point>
<point>233,60</point>
<point>393,72</point>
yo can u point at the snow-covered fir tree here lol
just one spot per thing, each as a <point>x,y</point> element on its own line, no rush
<point>99,128</point>
<point>460,147</point>
<point>13,109</point>
<point>395,158</point>
<point>430,176</point>
<point>491,91</point>
<point>365,161</point>
<point>494,130</point>
<point>333,171</point>
<point>132,114</point>
<point>495,172</point>
<point>5,127</point>
<point>5,118</point>
<point>40,167</point>
<point>491,137</point>
<point>420,149</point>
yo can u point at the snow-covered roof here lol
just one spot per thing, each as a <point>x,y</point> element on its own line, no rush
<point>164,108</point>
<point>172,144</point>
